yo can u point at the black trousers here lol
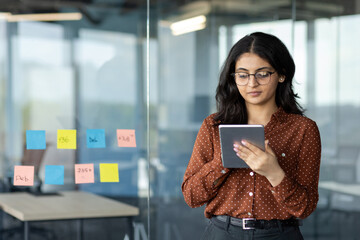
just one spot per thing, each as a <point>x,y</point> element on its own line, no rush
<point>218,230</point>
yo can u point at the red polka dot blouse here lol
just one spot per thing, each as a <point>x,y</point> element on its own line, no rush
<point>242,193</point>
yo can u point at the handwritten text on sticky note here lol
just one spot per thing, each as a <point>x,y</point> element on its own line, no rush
<point>126,138</point>
<point>84,173</point>
<point>66,139</point>
<point>24,175</point>
<point>95,138</point>
<point>35,139</point>
<point>109,172</point>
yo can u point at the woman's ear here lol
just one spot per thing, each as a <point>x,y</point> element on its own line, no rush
<point>281,78</point>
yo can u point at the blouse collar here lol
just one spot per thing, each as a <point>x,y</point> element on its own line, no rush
<point>280,115</point>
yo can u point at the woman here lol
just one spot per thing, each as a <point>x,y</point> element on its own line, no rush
<point>266,200</point>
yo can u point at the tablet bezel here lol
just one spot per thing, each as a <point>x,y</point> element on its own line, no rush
<point>234,133</point>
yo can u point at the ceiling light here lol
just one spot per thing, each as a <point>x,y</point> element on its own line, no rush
<point>4,15</point>
<point>188,25</point>
<point>45,17</point>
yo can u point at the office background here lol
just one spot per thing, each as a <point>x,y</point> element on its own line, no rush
<point>125,65</point>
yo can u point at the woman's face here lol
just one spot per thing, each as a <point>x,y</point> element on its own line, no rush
<point>259,92</point>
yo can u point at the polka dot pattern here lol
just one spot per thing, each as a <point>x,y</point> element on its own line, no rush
<point>242,193</point>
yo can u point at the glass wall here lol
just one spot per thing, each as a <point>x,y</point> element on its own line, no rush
<point>86,75</point>
<point>130,65</point>
<point>322,38</point>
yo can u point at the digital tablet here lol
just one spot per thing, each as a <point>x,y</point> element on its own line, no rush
<point>234,133</point>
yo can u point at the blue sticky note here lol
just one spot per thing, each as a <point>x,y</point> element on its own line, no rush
<point>35,139</point>
<point>54,174</point>
<point>95,138</point>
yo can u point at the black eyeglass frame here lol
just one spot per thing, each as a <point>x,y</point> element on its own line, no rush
<point>253,74</point>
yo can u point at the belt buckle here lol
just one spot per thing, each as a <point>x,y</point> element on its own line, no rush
<point>244,223</point>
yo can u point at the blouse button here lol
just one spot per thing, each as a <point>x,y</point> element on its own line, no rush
<point>251,173</point>
<point>223,171</point>
<point>250,193</point>
<point>283,154</point>
<point>249,213</point>
<point>272,191</point>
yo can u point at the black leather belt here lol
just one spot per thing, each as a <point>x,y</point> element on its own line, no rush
<point>252,223</point>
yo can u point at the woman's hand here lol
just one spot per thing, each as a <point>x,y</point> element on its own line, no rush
<point>263,163</point>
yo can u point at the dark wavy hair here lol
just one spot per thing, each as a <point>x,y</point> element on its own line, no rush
<point>231,106</point>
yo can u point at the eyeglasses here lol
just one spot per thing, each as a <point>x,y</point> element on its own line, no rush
<point>261,78</point>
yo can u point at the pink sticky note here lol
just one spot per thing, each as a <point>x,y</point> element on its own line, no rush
<point>84,173</point>
<point>126,138</point>
<point>23,175</point>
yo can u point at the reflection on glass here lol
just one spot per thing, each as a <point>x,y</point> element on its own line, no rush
<point>323,46</point>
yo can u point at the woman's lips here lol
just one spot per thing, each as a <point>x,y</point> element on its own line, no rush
<point>254,93</point>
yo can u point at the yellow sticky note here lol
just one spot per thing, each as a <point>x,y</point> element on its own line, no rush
<point>66,139</point>
<point>109,172</point>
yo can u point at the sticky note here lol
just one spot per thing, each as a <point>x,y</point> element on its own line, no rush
<point>95,138</point>
<point>23,175</point>
<point>109,172</point>
<point>66,139</point>
<point>84,173</point>
<point>126,138</point>
<point>54,174</point>
<point>35,139</point>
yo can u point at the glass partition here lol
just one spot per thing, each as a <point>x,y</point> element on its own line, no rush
<point>321,38</point>
<point>73,132</point>
<point>134,65</point>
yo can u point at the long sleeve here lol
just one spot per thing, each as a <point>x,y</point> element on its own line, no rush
<point>299,194</point>
<point>204,169</point>
<point>240,192</point>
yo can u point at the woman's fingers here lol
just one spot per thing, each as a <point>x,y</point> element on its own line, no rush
<point>252,147</point>
<point>268,148</point>
<point>242,150</point>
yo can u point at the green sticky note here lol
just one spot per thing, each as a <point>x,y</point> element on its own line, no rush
<point>109,172</point>
<point>66,139</point>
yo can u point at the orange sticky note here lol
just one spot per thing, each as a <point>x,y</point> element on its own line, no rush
<point>126,137</point>
<point>23,175</point>
<point>84,173</point>
<point>109,172</point>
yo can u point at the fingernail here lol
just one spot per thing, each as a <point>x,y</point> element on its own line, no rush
<point>243,142</point>
<point>236,150</point>
<point>235,145</point>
